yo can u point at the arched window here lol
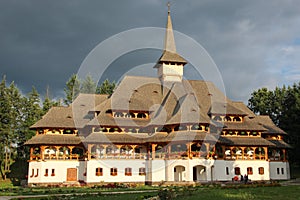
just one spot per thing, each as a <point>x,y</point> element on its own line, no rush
<point>228,119</point>
<point>237,119</point>
<point>217,118</point>
<point>141,115</point>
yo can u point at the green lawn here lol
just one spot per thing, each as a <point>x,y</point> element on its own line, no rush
<point>203,193</point>
<point>259,193</point>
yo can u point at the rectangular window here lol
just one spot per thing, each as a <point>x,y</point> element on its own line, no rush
<point>99,171</point>
<point>128,171</point>
<point>53,172</point>
<point>278,171</point>
<point>261,170</point>
<point>46,172</point>
<point>32,173</point>
<point>37,173</point>
<point>282,170</point>
<point>142,171</point>
<point>237,171</point>
<point>113,171</point>
<point>249,171</point>
<point>227,171</point>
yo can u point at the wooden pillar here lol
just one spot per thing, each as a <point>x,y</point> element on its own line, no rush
<point>31,153</point>
<point>254,155</point>
<point>119,147</point>
<point>222,118</point>
<point>90,146</point>
<point>104,150</point>
<point>231,152</point>
<point>168,151</point>
<point>284,154</point>
<point>42,151</point>
<point>133,150</point>
<point>266,153</point>
<point>207,149</point>
<point>153,150</point>
<point>189,148</point>
<point>223,151</point>
<point>57,151</point>
<point>243,152</point>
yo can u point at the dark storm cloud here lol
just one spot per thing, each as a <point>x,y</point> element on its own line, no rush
<point>252,42</point>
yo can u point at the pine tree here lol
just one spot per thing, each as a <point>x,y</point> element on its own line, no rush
<point>72,89</point>
<point>106,87</point>
<point>88,85</point>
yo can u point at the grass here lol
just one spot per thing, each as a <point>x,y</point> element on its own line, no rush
<point>202,192</point>
<point>6,183</point>
<point>14,191</point>
<point>259,193</point>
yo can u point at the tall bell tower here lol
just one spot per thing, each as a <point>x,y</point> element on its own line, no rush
<point>170,64</point>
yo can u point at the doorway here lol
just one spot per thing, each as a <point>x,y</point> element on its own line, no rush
<point>178,173</point>
<point>199,173</point>
<point>71,174</point>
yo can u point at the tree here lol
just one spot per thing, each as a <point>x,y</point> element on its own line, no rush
<point>32,112</point>
<point>88,85</point>
<point>106,87</point>
<point>48,103</point>
<point>72,89</point>
<point>10,119</point>
<point>283,107</point>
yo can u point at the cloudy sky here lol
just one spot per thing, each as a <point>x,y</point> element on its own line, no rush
<point>253,43</point>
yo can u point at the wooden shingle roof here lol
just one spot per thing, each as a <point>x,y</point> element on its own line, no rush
<point>245,141</point>
<point>54,139</point>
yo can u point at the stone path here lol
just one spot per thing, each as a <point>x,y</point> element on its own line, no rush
<point>57,195</point>
<point>291,182</point>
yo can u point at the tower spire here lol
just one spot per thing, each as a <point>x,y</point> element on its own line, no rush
<point>170,64</point>
<point>169,37</point>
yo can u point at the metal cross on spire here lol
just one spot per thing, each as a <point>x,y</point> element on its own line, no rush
<point>169,5</point>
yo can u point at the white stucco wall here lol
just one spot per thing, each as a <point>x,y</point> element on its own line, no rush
<point>220,169</point>
<point>279,170</point>
<point>170,72</point>
<point>162,170</point>
<point>120,165</point>
<point>158,170</point>
<point>60,168</point>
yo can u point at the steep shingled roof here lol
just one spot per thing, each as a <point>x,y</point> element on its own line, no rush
<point>268,124</point>
<point>73,116</point>
<point>53,139</point>
<point>245,141</point>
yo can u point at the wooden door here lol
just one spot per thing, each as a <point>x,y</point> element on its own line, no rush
<point>71,174</point>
